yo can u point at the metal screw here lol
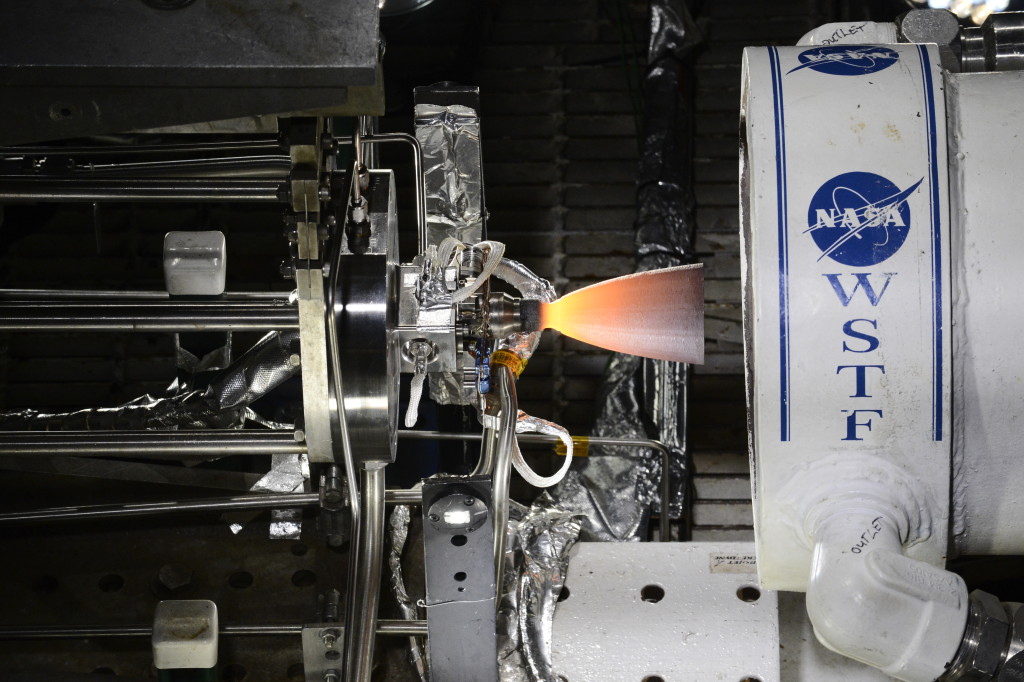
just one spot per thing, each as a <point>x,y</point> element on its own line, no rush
<point>434,517</point>
<point>331,676</point>
<point>469,501</point>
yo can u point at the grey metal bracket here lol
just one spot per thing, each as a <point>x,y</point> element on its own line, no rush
<point>323,652</point>
<point>458,545</point>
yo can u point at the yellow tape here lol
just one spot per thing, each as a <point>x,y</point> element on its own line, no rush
<point>508,359</point>
<point>580,447</point>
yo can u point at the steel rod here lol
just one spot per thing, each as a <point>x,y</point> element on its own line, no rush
<point>160,444</point>
<point>361,618</point>
<point>137,509</point>
<point>16,188</point>
<point>402,628</point>
<point>35,295</point>
<point>265,145</point>
<point>147,316</point>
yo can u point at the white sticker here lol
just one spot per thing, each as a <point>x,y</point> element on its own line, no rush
<point>733,563</point>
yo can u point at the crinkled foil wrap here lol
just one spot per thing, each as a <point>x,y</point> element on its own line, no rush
<point>452,170</point>
<point>537,560</point>
<point>616,487</point>
<point>453,176</point>
<point>398,534</point>
<point>222,405</point>
<point>288,474</point>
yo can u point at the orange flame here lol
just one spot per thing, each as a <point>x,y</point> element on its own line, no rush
<point>655,314</point>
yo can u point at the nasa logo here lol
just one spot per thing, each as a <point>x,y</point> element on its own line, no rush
<point>859,219</point>
<point>847,60</point>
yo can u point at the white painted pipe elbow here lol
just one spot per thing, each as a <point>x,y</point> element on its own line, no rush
<point>868,601</point>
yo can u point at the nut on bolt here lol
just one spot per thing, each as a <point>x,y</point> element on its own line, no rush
<point>985,641</point>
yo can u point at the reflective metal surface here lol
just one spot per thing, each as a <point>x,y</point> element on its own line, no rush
<point>147,316</point>
<point>364,302</point>
<point>158,444</point>
<point>368,554</point>
<point>15,188</point>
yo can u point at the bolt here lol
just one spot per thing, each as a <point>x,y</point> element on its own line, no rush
<point>434,517</point>
<point>469,501</point>
<point>329,637</point>
<point>331,676</point>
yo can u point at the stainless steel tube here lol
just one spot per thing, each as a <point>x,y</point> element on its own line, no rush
<point>233,167</point>
<point>661,448</point>
<point>235,503</point>
<point>505,385</point>
<point>52,295</point>
<point>152,316</point>
<point>419,185</point>
<point>30,188</point>
<point>160,444</point>
<point>361,619</point>
<point>264,145</point>
<point>402,628</point>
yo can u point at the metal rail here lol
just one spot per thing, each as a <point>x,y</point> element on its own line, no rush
<point>505,385</point>
<point>31,188</point>
<point>147,316</point>
<point>394,628</point>
<point>158,444</point>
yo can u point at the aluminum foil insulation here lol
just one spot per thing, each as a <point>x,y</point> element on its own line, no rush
<point>615,488</point>
<point>223,404</point>
<point>288,474</point>
<point>537,559</point>
<point>453,171</point>
<point>398,534</point>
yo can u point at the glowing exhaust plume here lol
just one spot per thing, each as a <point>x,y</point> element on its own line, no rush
<point>655,314</point>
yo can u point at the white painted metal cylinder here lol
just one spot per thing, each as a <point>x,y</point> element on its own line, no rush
<point>986,152</point>
<point>846,283</point>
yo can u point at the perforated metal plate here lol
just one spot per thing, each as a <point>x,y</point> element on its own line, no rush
<point>661,611</point>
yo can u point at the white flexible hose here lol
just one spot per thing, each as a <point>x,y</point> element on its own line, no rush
<point>412,413</point>
<point>528,424</point>
<point>495,250</point>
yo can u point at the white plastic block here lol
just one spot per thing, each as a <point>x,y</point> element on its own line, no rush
<point>185,634</point>
<point>195,263</point>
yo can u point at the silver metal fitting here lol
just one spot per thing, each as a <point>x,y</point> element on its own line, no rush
<point>503,316</point>
<point>997,45</point>
<point>986,643</point>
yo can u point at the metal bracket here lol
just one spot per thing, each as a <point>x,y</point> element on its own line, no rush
<point>323,652</point>
<point>458,545</point>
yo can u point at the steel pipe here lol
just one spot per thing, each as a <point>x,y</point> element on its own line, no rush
<point>147,316</point>
<point>402,628</point>
<point>266,145</point>
<point>159,444</point>
<point>505,386</point>
<point>30,188</point>
<point>221,504</point>
<point>419,184</point>
<point>361,618</point>
<point>52,295</point>
<point>661,448</point>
